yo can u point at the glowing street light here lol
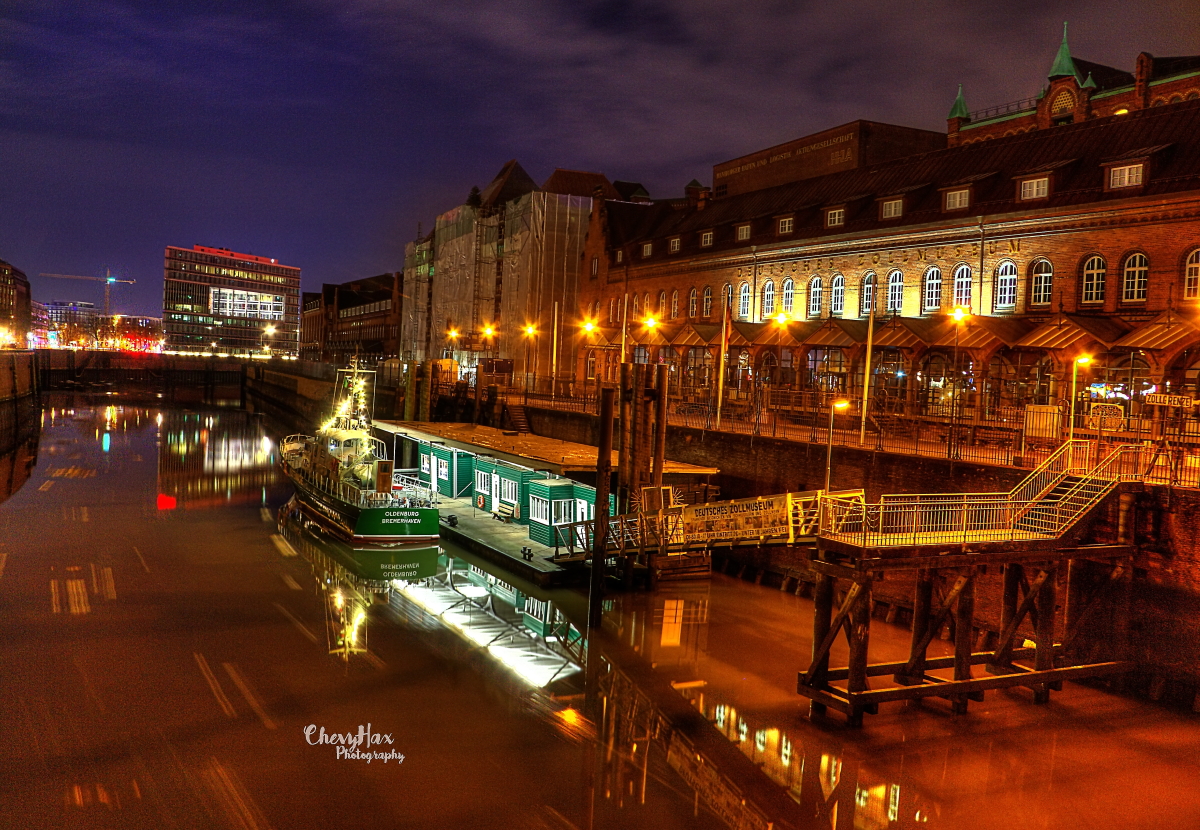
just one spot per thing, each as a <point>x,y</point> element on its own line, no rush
<point>781,319</point>
<point>589,326</point>
<point>959,315</point>
<point>836,406</point>
<point>1079,361</point>
<point>489,331</point>
<point>650,322</point>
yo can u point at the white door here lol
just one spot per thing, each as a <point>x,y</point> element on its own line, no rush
<point>495,490</point>
<point>581,510</point>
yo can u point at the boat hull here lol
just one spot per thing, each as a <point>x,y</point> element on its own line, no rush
<point>373,526</point>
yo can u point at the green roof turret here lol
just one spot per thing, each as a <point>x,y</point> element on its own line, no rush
<point>1089,83</point>
<point>959,110</point>
<point>1063,66</point>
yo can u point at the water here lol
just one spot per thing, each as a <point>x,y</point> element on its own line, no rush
<point>160,658</point>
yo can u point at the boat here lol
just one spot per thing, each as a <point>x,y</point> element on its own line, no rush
<point>344,480</point>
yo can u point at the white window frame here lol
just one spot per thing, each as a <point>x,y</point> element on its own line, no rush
<point>706,239</point>
<point>835,218</point>
<point>693,300</point>
<point>708,292</point>
<point>958,199</point>
<point>425,466</point>
<point>620,255</point>
<point>1035,188</point>
<point>1095,275</point>
<point>891,209</point>
<point>510,491</point>
<point>963,285</point>
<point>539,510</point>
<point>744,301</point>
<point>866,294</point>
<point>1135,278</point>
<point>931,296</point>
<point>1041,283</point>
<point>1006,284</point>
<point>1127,175</point>
<point>483,482</point>
<point>443,469</point>
<point>595,265</point>
<point>789,295</point>
<point>895,295</point>
<point>673,245</point>
<point>557,508</point>
<point>647,249</point>
<point>768,298</point>
<point>743,232</point>
<point>816,287</point>
<point>674,304</point>
<point>662,304</point>
<point>787,225</point>
<point>837,295</point>
<point>1191,276</point>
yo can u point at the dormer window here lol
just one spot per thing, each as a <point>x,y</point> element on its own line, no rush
<point>835,217</point>
<point>1038,188</point>
<point>647,249</point>
<point>786,225</point>
<point>1126,175</point>
<point>706,239</point>
<point>673,245</point>
<point>891,209</point>
<point>743,233</point>
<point>958,199</point>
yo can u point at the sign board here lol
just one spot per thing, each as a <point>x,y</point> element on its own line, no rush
<point>1170,400</point>
<point>396,563</point>
<point>378,522</point>
<point>738,519</point>
<point>1106,417</point>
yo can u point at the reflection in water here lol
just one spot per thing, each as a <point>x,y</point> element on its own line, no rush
<point>212,459</point>
<point>19,433</point>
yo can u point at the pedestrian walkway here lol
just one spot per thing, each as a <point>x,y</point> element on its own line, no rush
<point>500,542</point>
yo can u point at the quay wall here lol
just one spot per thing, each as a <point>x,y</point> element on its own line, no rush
<point>18,375</point>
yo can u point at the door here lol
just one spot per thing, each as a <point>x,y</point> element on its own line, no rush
<point>581,510</point>
<point>495,490</point>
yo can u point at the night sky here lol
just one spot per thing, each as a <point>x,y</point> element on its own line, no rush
<point>322,132</point>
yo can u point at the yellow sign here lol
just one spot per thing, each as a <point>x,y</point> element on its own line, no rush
<point>738,519</point>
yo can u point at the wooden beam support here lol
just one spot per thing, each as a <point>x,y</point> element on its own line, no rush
<point>964,638</point>
<point>1043,636</point>
<point>859,635</point>
<point>814,678</point>
<point>1082,614</point>
<point>935,624</point>
<point>922,617</point>
<point>978,658</point>
<point>821,650</point>
<point>1003,652</point>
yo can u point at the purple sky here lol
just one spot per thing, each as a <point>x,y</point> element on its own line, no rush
<point>322,132</point>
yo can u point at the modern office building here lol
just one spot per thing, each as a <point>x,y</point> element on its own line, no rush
<point>217,299</point>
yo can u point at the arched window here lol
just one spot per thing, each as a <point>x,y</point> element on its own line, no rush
<point>674,304</point>
<point>1135,279</point>
<point>768,299</point>
<point>962,286</point>
<point>931,297</point>
<point>692,298</point>
<point>1191,276</point>
<point>1094,272</point>
<point>744,301</point>
<point>895,295</point>
<point>647,309</point>
<point>727,298</point>
<point>612,310</point>
<point>814,297</point>
<point>662,304</point>
<point>789,295</point>
<point>1041,283</point>
<point>866,295</point>
<point>635,306</point>
<point>1006,285</point>
<point>837,295</point>
<point>708,301</point>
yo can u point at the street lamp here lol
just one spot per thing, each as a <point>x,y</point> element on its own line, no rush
<point>959,315</point>
<point>836,406</point>
<point>269,331</point>
<point>530,332</point>
<point>1079,361</point>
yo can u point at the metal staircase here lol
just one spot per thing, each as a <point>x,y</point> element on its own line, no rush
<point>517,418</point>
<point>1044,506</point>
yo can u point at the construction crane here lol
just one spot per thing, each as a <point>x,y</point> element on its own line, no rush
<point>108,279</point>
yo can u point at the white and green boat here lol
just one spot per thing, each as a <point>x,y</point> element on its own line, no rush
<point>343,476</point>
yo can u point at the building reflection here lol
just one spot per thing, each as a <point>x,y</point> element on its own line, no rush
<point>20,430</point>
<point>213,459</point>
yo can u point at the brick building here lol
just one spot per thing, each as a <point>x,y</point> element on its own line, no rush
<point>1059,233</point>
<point>15,309</point>
<point>361,317</point>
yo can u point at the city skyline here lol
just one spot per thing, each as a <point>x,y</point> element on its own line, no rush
<point>323,135</point>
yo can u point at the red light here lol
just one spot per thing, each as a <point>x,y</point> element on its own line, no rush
<point>166,502</point>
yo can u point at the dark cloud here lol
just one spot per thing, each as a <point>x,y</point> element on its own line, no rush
<point>323,131</point>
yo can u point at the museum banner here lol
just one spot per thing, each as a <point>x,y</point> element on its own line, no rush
<point>763,516</point>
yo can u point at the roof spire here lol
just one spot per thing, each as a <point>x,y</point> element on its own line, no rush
<point>959,110</point>
<point>1063,65</point>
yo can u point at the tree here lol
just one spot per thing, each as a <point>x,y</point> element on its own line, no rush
<point>473,198</point>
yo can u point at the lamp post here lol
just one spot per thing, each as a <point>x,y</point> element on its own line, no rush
<point>530,333</point>
<point>588,328</point>
<point>1079,361</point>
<point>836,406</point>
<point>960,314</point>
<point>269,331</point>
